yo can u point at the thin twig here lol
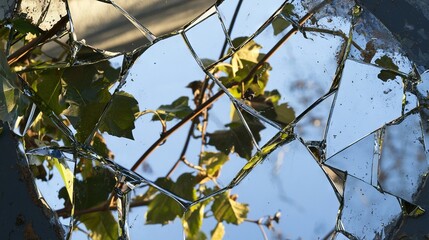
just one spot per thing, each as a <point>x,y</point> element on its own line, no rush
<point>20,53</point>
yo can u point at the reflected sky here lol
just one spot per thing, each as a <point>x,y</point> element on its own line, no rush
<point>324,122</point>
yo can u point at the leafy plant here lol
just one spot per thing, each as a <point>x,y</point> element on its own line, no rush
<point>82,94</point>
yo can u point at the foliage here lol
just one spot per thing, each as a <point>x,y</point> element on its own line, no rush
<point>82,94</point>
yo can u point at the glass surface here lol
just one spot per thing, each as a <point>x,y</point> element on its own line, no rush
<point>216,119</point>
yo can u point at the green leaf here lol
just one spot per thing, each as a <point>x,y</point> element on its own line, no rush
<point>87,93</point>
<point>218,232</point>
<point>268,106</point>
<point>198,236</point>
<point>9,93</point>
<point>119,119</point>
<point>386,62</point>
<point>92,190</point>
<point>102,225</point>
<point>193,220</point>
<point>279,24</point>
<point>49,89</point>
<point>213,161</point>
<point>24,26</point>
<point>67,176</point>
<point>162,208</point>
<point>178,109</point>
<point>99,145</point>
<point>225,208</point>
<point>237,139</point>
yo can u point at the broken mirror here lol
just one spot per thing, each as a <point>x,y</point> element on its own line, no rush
<point>215,119</point>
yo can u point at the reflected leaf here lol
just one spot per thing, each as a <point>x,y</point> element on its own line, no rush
<point>119,119</point>
<point>87,93</point>
<point>67,176</point>
<point>280,24</point>
<point>386,62</point>
<point>226,208</point>
<point>163,209</point>
<point>102,225</point>
<point>178,109</point>
<point>213,162</point>
<point>91,191</point>
<point>50,90</point>
<point>24,26</point>
<point>9,94</point>
<point>268,106</point>
<point>236,139</point>
<point>218,232</point>
<point>411,210</point>
<point>193,221</point>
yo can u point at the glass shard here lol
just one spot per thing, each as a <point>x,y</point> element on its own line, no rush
<point>367,213</point>
<point>350,121</point>
<point>403,163</point>
<point>291,192</point>
<point>357,159</point>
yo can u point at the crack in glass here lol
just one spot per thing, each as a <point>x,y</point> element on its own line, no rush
<point>347,126</point>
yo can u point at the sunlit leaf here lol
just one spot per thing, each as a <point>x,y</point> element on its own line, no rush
<point>386,62</point>
<point>102,225</point>
<point>119,119</point>
<point>225,208</point>
<point>194,220</point>
<point>218,232</point>
<point>178,109</point>
<point>213,161</point>
<point>67,176</point>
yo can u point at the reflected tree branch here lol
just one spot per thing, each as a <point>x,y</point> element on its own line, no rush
<point>215,97</point>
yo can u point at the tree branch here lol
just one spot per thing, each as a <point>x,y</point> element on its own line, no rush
<point>215,97</point>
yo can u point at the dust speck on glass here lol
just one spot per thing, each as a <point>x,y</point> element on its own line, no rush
<point>247,120</point>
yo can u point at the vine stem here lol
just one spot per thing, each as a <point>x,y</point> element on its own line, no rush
<point>215,97</point>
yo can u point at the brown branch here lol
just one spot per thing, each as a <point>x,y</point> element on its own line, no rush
<point>20,53</point>
<point>164,136</point>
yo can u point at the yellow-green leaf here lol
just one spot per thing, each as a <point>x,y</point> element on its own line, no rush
<point>102,225</point>
<point>218,232</point>
<point>67,176</point>
<point>225,208</point>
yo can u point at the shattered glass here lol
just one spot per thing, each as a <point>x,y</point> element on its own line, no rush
<point>221,119</point>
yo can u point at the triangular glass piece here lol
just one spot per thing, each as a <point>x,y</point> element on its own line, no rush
<point>357,159</point>
<point>337,179</point>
